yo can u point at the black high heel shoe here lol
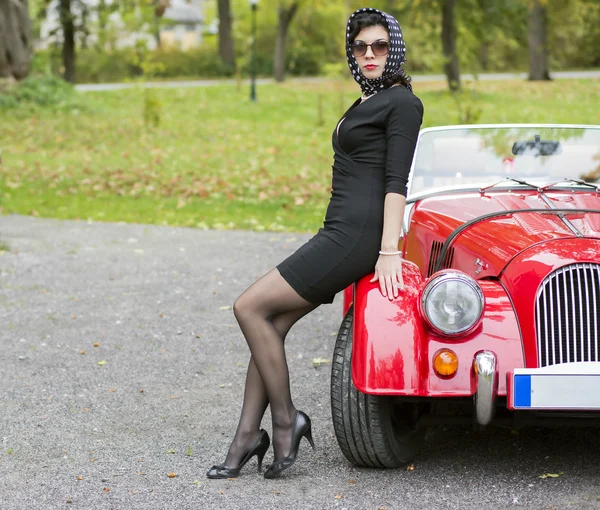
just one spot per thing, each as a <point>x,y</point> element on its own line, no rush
<point>301,428</point>
<point>259,449</point>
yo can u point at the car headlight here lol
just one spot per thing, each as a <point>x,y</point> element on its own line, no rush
<point>452,303</point>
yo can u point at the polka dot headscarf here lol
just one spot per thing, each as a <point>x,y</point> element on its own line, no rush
<point>396,56</point>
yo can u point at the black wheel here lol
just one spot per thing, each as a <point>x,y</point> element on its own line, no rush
<point>372,431</point>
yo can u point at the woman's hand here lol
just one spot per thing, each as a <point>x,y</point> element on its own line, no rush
<point>388,271</point>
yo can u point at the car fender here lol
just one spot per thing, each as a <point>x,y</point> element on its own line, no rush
<point>393,348</point>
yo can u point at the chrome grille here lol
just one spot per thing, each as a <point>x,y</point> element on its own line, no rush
<point>567,315</point>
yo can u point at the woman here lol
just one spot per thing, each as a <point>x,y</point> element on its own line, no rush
<point>373,150</point>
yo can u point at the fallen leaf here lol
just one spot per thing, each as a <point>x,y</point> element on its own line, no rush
<point>276,492</point>
<point>141,391</point>
<point>225,307</point>
<point>81,351</point>
<point>320,361</point>
<point>85,409</point>
<point>197,482</point>
<point>170,451</point>
<point>73,316</point>
<point>96,344</point>
<point>112,390</point>
<point>80,477</point>
<point>338,496</point>
<point>222,492</point>
<point>352,481</point>
<point>551,475</point>
<point>106,489</point>
<point>171,475</point>
<point>101,363</point>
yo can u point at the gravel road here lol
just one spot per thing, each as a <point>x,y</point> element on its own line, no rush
<point>120,363</point>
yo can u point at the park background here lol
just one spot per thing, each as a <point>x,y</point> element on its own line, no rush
<point>210,157</point>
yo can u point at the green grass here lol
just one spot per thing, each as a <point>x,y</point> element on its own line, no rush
<point>216,160</point>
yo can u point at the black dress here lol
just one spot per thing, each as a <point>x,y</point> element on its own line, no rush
<point>372,156</point>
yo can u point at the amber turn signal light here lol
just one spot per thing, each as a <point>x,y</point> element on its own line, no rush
<point>445,362</point>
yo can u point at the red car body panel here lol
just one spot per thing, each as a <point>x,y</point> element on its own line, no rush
<point>509,254</point>
<point>393,348</point>
<point>525,273</point>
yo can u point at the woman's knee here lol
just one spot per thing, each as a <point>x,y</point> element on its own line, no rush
<point>242,308</point>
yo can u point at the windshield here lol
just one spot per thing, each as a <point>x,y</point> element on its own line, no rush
<point>476,157</point>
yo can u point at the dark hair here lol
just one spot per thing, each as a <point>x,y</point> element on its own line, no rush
<point>373,19</point>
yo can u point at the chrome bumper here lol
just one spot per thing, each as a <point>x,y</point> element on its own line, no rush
<point>486,374</point>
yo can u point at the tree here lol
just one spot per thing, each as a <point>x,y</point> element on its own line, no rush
<point>15,39</point>
<point>537,23</point>
<point>160,6</point>
<point>67,24</point>
<point>226,49</point>
<point>285,15</point>
<point>451,67</point>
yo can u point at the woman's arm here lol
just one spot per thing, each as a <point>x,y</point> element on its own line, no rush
<point>402,131</point>
<point>388,270</point>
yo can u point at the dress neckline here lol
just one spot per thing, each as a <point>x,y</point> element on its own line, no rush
<point>355,105</point>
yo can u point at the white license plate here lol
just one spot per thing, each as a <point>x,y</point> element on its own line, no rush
<point>535,389</point>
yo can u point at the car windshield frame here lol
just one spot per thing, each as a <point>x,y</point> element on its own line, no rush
<point>498,183</point>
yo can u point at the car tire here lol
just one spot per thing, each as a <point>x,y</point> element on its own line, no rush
<point>372,431</point>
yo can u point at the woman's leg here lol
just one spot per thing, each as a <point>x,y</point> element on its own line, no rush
<point>255,311</point>
<point>255,395</point>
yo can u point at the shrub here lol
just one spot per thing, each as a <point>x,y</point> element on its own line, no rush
<point>41,91</point>
<point>126,64</point>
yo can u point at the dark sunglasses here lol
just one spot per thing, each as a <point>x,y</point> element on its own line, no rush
<point>379,48</point>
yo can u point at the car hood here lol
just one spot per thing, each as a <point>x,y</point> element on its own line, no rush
<point>481,233</point>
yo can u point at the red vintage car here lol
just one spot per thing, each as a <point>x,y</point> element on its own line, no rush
<point>499,318</point>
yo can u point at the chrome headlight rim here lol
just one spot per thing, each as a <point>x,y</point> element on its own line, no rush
<point>440,278</point>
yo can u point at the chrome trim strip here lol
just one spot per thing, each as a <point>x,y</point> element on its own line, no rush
<point>509,126</point>
<point>574,318</point>
<point>560,360</point>
<point>486,371</point>
<point>589,310</point>
<point>580,268</point>
<point>551,323</point>
<point>594,287</point>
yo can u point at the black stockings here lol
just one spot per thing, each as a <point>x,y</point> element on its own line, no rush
<point>265,312</point>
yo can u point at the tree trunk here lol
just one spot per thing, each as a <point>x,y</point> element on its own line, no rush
<point>226,50</point>
<point>484,56</point>
<point>68,33</point>
<point>285,17</point>
<point>15,39</point>
<point>537,24</point>
<point>160,6</point>
<point>451,68</point>
<point>156,31</point>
